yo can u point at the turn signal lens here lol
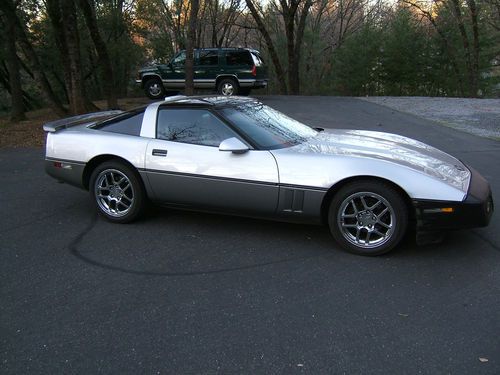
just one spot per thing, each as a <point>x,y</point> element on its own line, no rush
<point>447,209</point>
<point>254,71</point>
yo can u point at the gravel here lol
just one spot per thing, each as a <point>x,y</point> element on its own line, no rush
<point>480,117</point>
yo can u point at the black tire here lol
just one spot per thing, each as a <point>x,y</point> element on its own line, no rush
<point>154,89</point>
<point>117,191</point>
<point>228,87</point>
<point>376,225</point>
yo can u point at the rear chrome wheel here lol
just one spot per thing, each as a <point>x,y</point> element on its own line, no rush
<point>368,218</point>
<point>114,193</point>
<point>117,191</point>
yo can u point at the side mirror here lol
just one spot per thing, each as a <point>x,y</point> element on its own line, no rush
<point>234,145</point>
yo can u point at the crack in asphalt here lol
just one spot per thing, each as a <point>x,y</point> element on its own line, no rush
<point>73,247</point>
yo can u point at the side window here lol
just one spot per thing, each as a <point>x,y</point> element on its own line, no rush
<point>196,126</point>
<point>180,59</point>
<point>238,58</point>
<point>129,123</point>
<point>257,60</point>
<point>208,57</point>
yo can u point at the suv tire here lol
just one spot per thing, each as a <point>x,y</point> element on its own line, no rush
<point>228,87</point>
<point>154,89</point>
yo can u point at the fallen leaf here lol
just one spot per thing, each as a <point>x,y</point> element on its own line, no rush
<point>481,359</point>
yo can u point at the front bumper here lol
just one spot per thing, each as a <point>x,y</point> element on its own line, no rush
<point>474,211</point>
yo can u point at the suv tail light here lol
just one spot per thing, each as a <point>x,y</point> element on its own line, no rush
<point>254,71</point>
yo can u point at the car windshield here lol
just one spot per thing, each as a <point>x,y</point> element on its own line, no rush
<point>266,127</point>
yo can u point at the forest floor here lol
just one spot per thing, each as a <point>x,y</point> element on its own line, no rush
<point>476,116</point>
<point>29,133</point>
<point>480,117</point>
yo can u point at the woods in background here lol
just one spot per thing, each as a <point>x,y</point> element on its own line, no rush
<point>67,53</point>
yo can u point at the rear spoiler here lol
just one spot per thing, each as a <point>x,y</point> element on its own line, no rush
<point>64,123</point>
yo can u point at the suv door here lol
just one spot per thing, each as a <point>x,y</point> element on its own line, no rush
<point>184,165</point>
<point>177,76</point>
<point>206,68</point>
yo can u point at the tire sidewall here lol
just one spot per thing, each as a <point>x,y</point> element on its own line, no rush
<point>137,206</point>
<point>390,194</point>
<point>236,87</point>
<point>151,82</point>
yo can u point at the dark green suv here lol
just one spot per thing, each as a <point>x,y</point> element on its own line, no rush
<point>230,71</point>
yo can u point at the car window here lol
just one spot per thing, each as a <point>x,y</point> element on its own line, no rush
<point>180,59</point>
<point>128,123</point>
<point>196,126</point>
<point>266,127</point>
<point>238,58</point>
<point>208,57</point>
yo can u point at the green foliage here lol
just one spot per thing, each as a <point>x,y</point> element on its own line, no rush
<point>357,63</point>
<point>371,49</point>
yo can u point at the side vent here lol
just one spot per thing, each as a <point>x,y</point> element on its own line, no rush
<point>293,200</point>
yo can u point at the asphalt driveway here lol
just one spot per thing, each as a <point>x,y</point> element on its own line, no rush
<point>182,293</point>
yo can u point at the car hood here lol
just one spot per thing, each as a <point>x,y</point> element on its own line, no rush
<point>391,148</point>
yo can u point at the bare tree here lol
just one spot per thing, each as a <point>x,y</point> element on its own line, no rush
<point>107,79</point>
<point>13,68</point>
<point>470,50</point>
<point>258,18</point>
<point>7,6</point>
<point>190,44</point>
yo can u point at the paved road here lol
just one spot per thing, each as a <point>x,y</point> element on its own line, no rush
<point>196,293</point>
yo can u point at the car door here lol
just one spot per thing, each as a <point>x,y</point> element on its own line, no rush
<point>184,165</point>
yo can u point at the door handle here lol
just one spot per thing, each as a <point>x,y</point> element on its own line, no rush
<point>157,152</point>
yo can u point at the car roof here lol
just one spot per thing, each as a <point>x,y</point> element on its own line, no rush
<point>224,49</point>
<point>206,101</point>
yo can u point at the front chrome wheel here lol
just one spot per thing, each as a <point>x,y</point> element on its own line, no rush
<point>368,217</point>
<point>114,193</point>
<point>366,220</point>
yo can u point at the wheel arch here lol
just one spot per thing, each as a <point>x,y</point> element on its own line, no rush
<point>226,76</point>
<point>93,163</point>
<point>149,76</point>
<point>325,204</point>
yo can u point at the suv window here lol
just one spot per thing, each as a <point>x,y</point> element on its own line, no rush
<point>257,60</point>
<point>196,126</point>
<point>238,58</point>
<point>129,123</point>
<point>208,57</point>
<point>180,59</point>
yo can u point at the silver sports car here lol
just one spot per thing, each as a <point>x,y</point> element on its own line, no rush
<point>238,156</point>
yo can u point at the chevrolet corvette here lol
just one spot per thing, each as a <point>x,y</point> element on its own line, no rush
<point>235,155</point>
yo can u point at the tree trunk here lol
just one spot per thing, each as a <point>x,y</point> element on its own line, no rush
<point>70,27</point>
<point>107,79</point>
<point>8,8</point>
<point>270,47</point>
<point>472,73</point>
<point>475,43</point>
<point>190,43</point>
<point>16,92</point>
